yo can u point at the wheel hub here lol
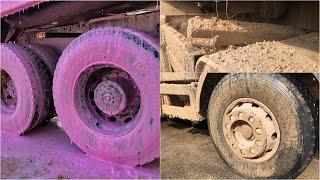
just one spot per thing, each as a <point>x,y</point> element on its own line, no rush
<point>8,93</point>
<point>246,131</point>
<point>107,99</point>
<point>11,89</point>
<point>251,130</point>
<point>110,97</point>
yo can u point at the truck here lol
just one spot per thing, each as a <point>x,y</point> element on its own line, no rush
<point>95,65</point>
<point>251,70</point>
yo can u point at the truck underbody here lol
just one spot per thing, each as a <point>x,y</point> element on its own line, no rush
<point>40,24</point>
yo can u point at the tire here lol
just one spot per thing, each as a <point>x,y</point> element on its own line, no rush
<point>49,59</point>
<point>290,104</point>
<point>29,76</point>
<point>99,51</point>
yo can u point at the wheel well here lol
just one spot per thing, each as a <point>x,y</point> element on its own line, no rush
<point>310,82</point>
<point>209,84</point>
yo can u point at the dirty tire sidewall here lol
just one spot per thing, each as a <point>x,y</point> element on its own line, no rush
<point>137,54</point>
<point>49,61</point>
<point>294,115</point>
<point>49,57</point>
<point>22,68</point>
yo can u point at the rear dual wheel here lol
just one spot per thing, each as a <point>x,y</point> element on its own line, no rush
<point>106,94</point>
<point>26,82</point>
<point>262,125</point>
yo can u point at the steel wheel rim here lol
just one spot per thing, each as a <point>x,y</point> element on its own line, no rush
<point>251,130</point>
<point>107,99</point>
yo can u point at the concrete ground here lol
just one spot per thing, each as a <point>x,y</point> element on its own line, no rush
<point>47,152</point>
<point>187,152</point>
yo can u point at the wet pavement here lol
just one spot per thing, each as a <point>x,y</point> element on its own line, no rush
<point>187,152</point>
<point>47,152</point>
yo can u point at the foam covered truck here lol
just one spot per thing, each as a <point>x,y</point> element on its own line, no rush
<point>93,64</point>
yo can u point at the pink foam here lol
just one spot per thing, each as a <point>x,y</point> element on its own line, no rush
<point>47,152</point>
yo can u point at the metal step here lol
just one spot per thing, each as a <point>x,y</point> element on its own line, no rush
<point>186,112</point>
<point>176,89</point>
<point>178,76</point>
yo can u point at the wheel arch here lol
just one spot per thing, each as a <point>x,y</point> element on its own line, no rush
<point>207,82</point>
<point>310,81</point>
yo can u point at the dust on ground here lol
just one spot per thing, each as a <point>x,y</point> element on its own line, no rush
<point>188,152</point>
<point>24,166</point>
<point>47,152</point>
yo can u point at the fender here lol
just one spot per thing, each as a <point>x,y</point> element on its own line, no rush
<point>205,85</point>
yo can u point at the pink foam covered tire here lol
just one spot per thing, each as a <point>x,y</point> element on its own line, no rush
<point>24,89</point>
<point>106,95</point>
<point>49,57</point>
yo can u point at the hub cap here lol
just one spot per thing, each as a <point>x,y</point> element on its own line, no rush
<point>251,130</point>
<point>8,94</point>
<point>110,97</point>
<point>107,99</point>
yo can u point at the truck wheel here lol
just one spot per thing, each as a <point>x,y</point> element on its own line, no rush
<point>49,59</point>
<point>24,83</point>
<point>262,125</point>
<point>106,94</point>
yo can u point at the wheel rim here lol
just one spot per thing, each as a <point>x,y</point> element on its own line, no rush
<point>251,130</point>
<point>8,94</point>
<point>107,99</point>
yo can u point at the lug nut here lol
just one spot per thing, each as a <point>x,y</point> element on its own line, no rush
<point>259,143</point>
<point>234,146</point>
<point>258,131</point>
<point>228,136</point>
<point>252,151</point>
<point>242,151</point>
